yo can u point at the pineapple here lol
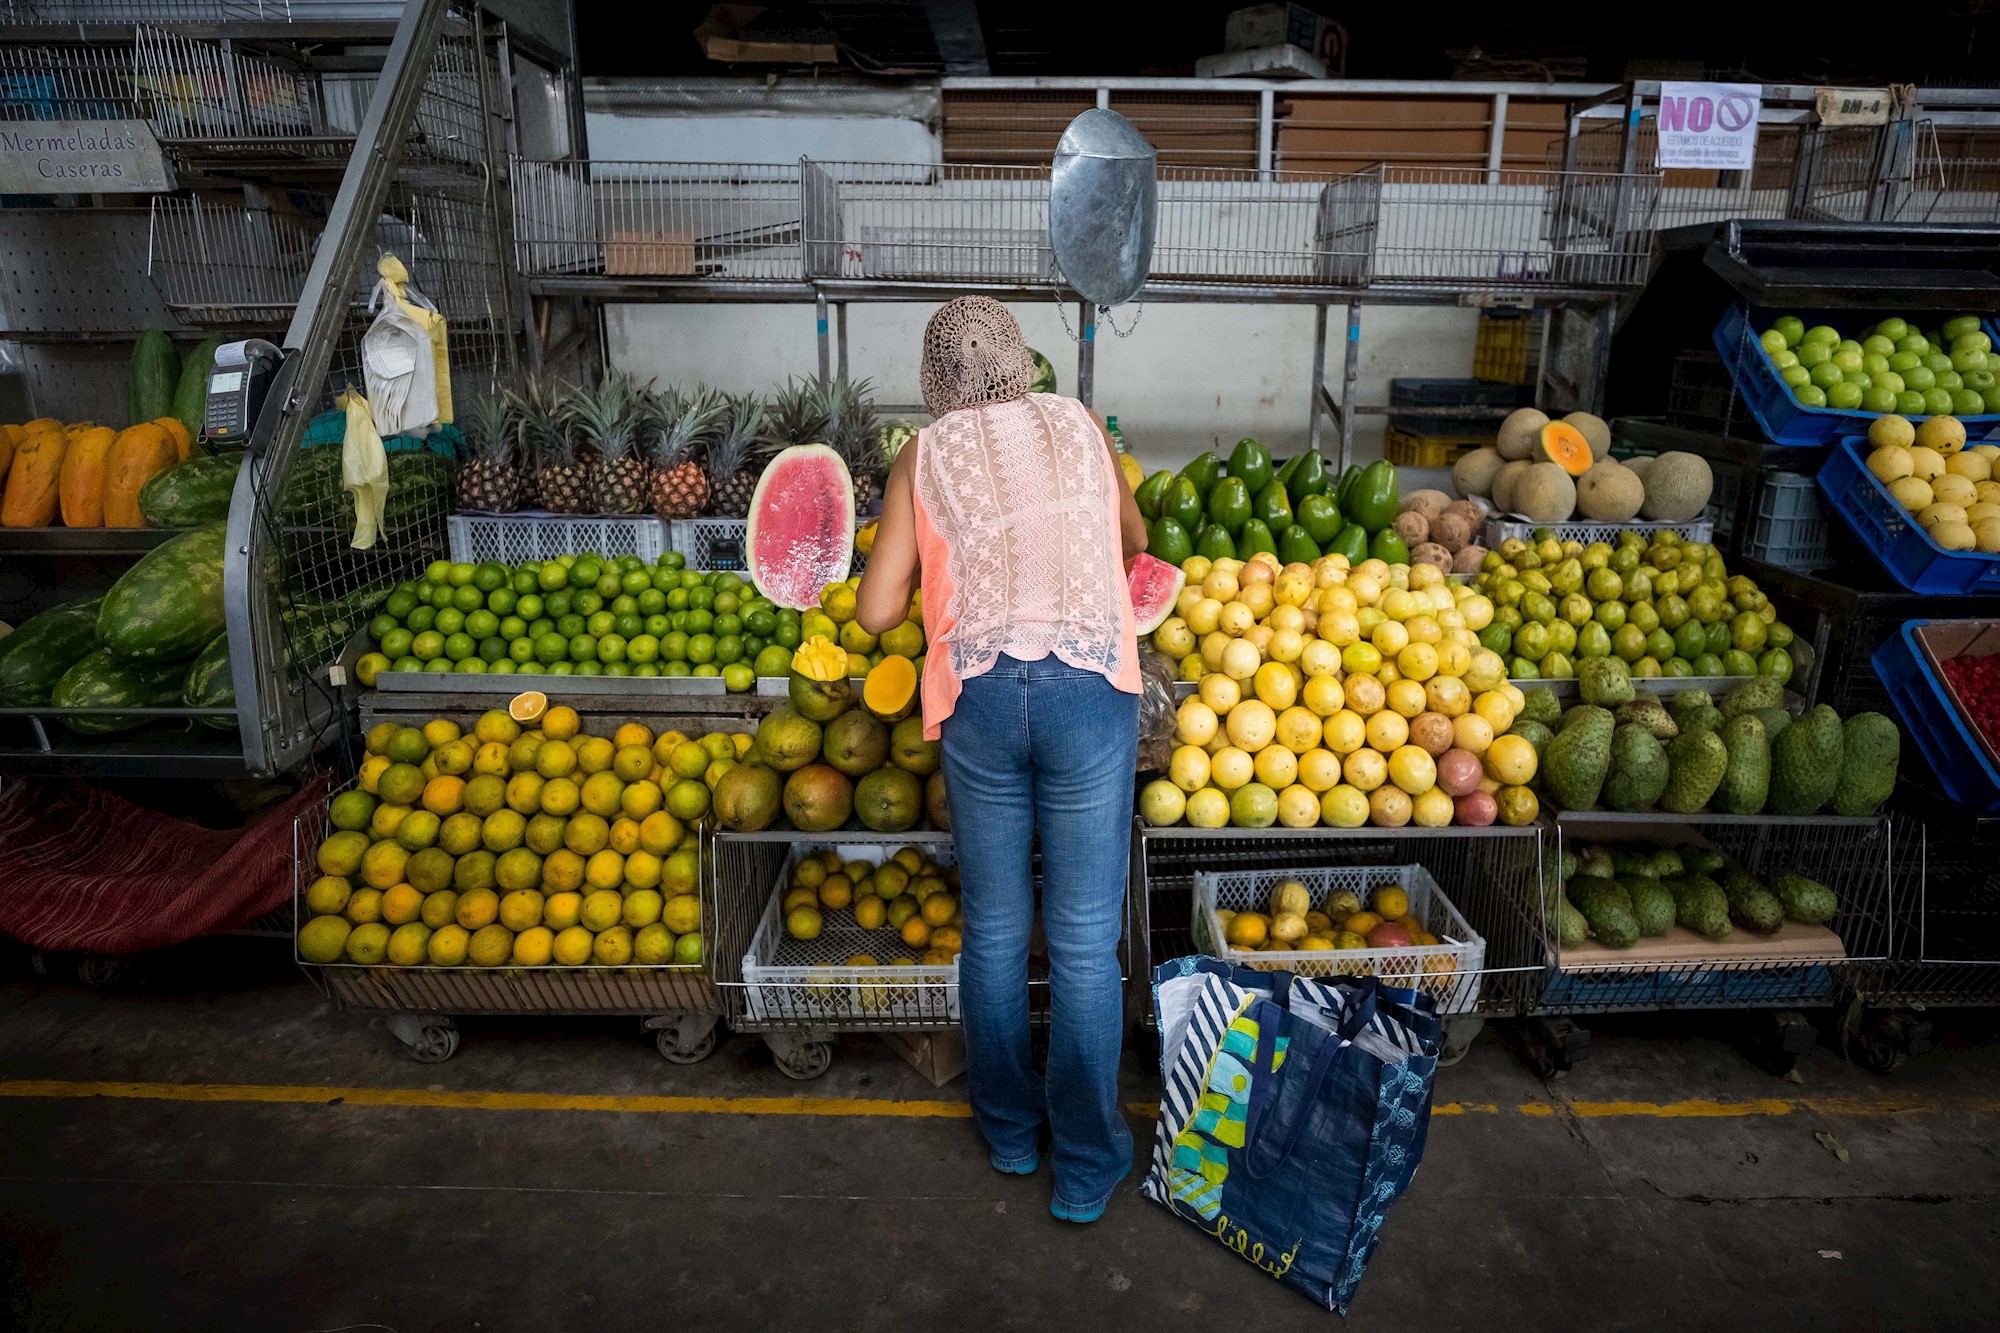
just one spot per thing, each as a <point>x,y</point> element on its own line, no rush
<point>797,415</point>
<point>489,481</point>
<point>609,421</point>
<point>680,427</point>
<point>737,456</point>
<point>854,432</point>
<point>560,480</point>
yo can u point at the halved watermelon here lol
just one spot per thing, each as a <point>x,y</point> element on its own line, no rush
<point>800,535</point>
<point>1155,586</point>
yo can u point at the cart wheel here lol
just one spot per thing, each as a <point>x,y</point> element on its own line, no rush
<point>685,1039</point>
<point>802,1060</point>
<point>1553,1044</point>
<point>1883,1041</point>
<point>104,972</point>
<point>1459,1034</point>
<point>429,1039</point>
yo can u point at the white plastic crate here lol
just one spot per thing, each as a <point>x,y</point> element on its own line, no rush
<point>512,538</point>
<point>1501,529</point>
<point>1790,530</point>
<point>1449,970</point>
<point>808,981</point>
<point>710,543</point>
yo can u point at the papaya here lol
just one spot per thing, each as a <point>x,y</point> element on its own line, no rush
<point>82,480</point>
<point>34,481</point>
<point>183,442</point>
<point>139,454</point>
<point>10,438</point>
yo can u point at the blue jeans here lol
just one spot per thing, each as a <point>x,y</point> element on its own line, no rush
<point>1043,745</point>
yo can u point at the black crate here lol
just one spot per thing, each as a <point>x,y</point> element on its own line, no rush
<point>1702,396</point>
<point>1432,394</point>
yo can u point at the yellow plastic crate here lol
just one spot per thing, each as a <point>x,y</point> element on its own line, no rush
<point>1408,449</point>
<point>1505,345</point>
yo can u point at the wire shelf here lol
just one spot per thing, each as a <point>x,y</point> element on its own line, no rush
<point>193,11</point>
<point>662,221</point>
<point>886,221</point>
<point>1856,859</point>
<point>1293,229</point>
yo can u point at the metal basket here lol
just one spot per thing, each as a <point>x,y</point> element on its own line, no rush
<point>513,538</point>
<point>1293,228</point>
<point>887,221</point>
<point>1505,528</point>
<point>658,221</point>
<point>1490,875</point>
<point>1449,971</point>
<point>807,982</point>
<point>1856,858</point>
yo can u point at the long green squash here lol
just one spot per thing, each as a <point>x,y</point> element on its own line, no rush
<point>152,377</point>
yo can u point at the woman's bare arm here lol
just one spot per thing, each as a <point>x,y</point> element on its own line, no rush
<point>883,601</point>
<point>1131,523</point>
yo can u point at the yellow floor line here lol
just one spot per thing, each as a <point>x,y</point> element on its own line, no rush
<point>880,1107</point>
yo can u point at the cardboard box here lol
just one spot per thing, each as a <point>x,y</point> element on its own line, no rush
<point>649,252</point>
<point>938,1056</point>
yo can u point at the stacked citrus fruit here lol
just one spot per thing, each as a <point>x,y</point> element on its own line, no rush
<point>1338,695</point>
<point>907,894</point>
<point>522,843</point>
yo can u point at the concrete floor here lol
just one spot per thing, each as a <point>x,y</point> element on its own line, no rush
<point>158,1212</point>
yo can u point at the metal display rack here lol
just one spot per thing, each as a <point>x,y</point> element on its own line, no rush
<point>259,104</point>
<point>834,233</point>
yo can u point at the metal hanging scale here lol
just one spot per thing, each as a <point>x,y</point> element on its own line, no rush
<point>1103,206</point>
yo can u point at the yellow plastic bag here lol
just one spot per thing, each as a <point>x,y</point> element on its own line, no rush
<point>364,469</point>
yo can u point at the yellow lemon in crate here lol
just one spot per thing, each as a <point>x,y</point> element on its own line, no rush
<point>521,909</point>
<point>653,946</point>
<point>448,946</point>
<point>642,908</point>
<point>681,914</point>
<point>562,872</point>
<point>594,754</point>
<point>401,904</point>
<point>440,909</point>
<point>324,939</point>
<point>560,723</point>
<point>601,910</point>
<point>533,947</point>
<point>491,946</point>
<point>586,835</point>
<point>369,944</point>
<point>478,908</point>
<point>613,947</point>
<point>409,945</point>
<point>328,895</point>
<point>572,946</point>
<point>1389,902</point>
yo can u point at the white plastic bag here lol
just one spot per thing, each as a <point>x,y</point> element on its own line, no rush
<point>404,355</point>
<point>364,469</point>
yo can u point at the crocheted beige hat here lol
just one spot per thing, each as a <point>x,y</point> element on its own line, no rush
<point>973,355</point>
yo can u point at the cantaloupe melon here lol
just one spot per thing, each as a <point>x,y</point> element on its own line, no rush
<point>1609,493</point>
<point>1595,430</point>
<point>1503,483</point>
<point>1519,432</point>
<point>1565,446</point>
<point>1545,493</point>
<point>1638,464</point>
<point>1473,473</point>
<point>1677,487</point>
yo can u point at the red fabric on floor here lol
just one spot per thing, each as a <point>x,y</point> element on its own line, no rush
<point>85,870</point>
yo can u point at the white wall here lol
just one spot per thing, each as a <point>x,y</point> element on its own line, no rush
<point>1191,377</point>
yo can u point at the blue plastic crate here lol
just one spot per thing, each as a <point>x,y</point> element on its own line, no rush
<point>1784,419</point>
<point>1925,705</point>
<point>1891,533</point>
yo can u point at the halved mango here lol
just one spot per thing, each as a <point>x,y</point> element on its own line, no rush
<point>890,691</point>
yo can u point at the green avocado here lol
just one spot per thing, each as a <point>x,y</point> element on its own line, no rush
<point>1372,503</point>
<point>1352,542</point>
<point>1345,487</point>
<point>1286,469</point>
<point>1256,536</point>
<point>1296,546</point>
<point>1320,517</point>
<point>1272,507</point>
<point>1167,540</point>
<point>1152,493</point>
<point>1229,504</point>
<point>1308,476</point>
<point>1252,462</point>
<point>1389,547</point>
<point>1182,503</point>
<point>1203,472</point>
<point>1215,543</point>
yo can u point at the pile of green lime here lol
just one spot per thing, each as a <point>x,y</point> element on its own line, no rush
<point>582,615</point>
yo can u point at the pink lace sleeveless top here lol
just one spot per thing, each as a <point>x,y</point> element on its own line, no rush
<point>1017,531</point>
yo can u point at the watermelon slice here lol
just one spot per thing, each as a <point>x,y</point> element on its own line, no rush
<point>1155,586</point>
<point>800,535</point>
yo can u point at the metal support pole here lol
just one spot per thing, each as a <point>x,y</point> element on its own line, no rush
<point>1267,132</point>
<point>1103,98</point>
<point>840,334</point>
<point>1318,386</point>
<point>825,352</point>
<point>1496,139</point>
<point>1086,353</point>
<point>1350,376</point>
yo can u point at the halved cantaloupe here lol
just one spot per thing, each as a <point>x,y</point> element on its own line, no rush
<point>1567,447</point>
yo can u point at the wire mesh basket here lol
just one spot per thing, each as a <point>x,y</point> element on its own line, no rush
<point>1799,966</point>
<point>1292,228</point>
<point>513,538</point>
<point>1503,528</point>
<point>662,221</point>
<point>811,983</point>
<point>902,222</point>
<point>1947,905</point>
<point>1449,970</point>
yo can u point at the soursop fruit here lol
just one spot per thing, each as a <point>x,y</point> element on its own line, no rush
<point>1598,863</point>
<point>1631,860</point>
<point>1702,860</point>
<point>1535,734</point>
<point>1608,910</point>
<point>1775,720</point>
<point>1751,905</point>
<point>1667,863</point>
<point>1700,905</point>
<point>1571,927</point>
<point>1685,702</point>
<point>1652,904</point>
<point>1540,705</point>
<point>1806,762</point>
<point>1698,760</point>
<point>1706,717</point>
<point>1578,758</point>
<point>1605,681</point>
<point>1753,694</point>
<point>1651,714</point>
<point>1805,900</point>
<point>1747,779</point>
<point>1638,772</point>
<point>1870,746</point>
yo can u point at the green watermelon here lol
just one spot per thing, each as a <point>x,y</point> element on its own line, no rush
<point>1045,374</point>
<point>208,683</point>
<point>195,493</point>
<point>35,656</point>
<point>167,607</point>
<point>152,377</point>
<point>191,393</point>
<point>102,681</point>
